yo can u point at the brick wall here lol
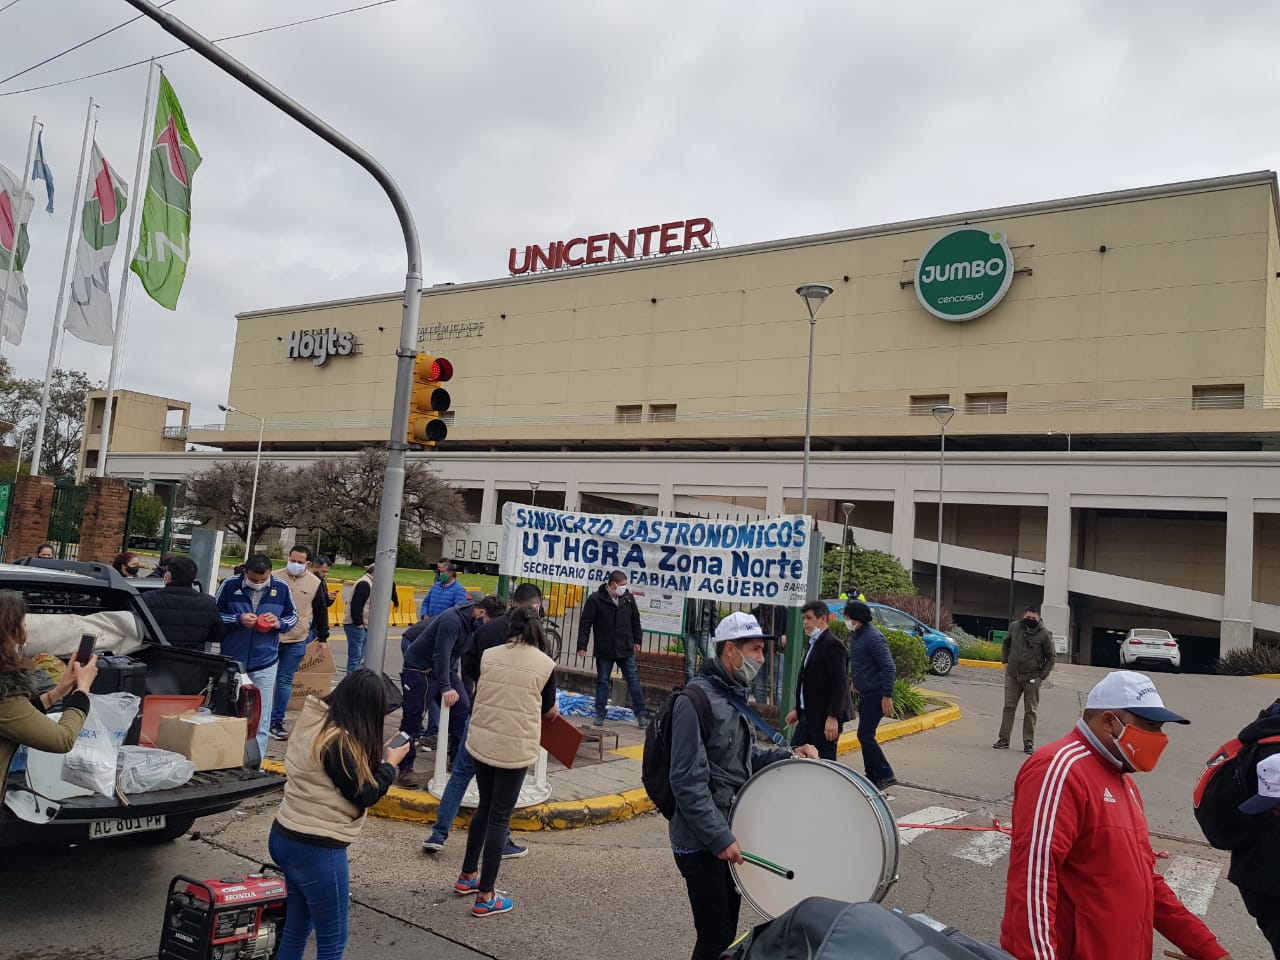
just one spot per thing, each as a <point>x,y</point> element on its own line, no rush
<point>29,523</point>
<point>105,511</point>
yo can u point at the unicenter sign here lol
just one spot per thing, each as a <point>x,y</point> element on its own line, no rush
<point>964,273</point>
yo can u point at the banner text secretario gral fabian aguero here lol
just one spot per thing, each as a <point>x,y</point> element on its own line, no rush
<point>765,559</point>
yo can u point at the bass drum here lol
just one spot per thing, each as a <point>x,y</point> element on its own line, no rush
<point>822,821</point>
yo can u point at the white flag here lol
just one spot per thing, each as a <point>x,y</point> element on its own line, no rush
<point>90,316</point>
<point>15,211</point>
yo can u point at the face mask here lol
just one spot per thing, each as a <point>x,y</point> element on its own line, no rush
<point>620,591</point>
<point>132,571</point>
<point>441,577</point>
<point>296,569</point>
<point>850,626</point>
<point>256,587</point>
<point>1030,624</point>
<point>747,670</point>
<point>1141,748</point>
<point>813,631</point>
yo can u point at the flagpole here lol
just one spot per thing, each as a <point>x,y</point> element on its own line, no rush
<point>36,126</point>
<point>90,131</point>
<point>144,142</point>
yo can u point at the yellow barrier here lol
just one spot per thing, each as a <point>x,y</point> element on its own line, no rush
<point>406,613</point>
<point>562,596</point>
<point>339,608</point>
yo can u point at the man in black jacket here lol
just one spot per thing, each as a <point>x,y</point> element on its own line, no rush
<point>612,613</point>
<point>823,704</point>
<point>874,672</point>
<point>187,616</point>
<point>1255,857</point>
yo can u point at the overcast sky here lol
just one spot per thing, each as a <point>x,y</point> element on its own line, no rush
<point>511,123</point>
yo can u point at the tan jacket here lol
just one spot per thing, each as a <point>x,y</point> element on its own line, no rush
<point>21,724</point>
<point>312,805</point>
<point>304,590</point>
<point>506,718</point>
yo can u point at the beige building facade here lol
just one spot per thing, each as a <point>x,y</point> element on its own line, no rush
<point>139,422</point>
<point>1117,397</point>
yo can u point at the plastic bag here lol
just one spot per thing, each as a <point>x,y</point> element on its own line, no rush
<point>148,768</point>
<point>92,761</point>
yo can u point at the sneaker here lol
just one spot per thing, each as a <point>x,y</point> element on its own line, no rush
<point>598,722</point>
<point>512,850</point>
<point>885,784</point>
<point>462,886</point>
<point>642,722</point>
<point>432,845</point>
<point>1000,744</point>
<point>424,746</point>
<point>495,904</point>
<point>1028,748</point>
<point>407,778</point>
<point>278,732</point>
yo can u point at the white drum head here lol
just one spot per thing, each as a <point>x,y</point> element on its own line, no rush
<point>824,822</point>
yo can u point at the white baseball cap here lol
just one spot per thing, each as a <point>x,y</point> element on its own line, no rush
<point>1268,796</point>
<point>740,626</point>
<point>1134,692</point>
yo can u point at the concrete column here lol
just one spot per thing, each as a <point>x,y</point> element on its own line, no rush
<point>774,501</point>
<point>666,499</point>
<point>1057,562</point>
<point>904,523</point>
<point>1237,600</point>
<point>571,497</point>
<point>489,503</point>
<point>29,512</point>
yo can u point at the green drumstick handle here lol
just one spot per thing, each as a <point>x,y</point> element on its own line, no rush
<point>769,865</point>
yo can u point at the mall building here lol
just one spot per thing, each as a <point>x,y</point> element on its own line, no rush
<point>1113,361</point>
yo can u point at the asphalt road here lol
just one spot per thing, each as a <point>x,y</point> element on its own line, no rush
<point>613,891</point>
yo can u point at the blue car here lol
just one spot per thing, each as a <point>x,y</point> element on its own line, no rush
<point>943,651</point>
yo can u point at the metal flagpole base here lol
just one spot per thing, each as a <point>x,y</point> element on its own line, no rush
<point>533,792</point>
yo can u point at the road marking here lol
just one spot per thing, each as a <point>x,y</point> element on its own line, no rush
<point>1193,881</point>
<point>985,848</point>
<point>929,815</point>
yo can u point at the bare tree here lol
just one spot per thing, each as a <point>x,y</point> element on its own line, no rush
<point>342,497</point>
<point>220,497</point>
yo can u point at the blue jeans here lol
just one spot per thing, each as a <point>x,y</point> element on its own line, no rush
<point>460,777</point>
<point>291,655</point>
<point>630,674</point>
<point>318,882</point>
<point>695,647</point>
<point>265,681</point>
<point>356,636</point>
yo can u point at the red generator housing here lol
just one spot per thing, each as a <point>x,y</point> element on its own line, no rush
<point>235,918</point>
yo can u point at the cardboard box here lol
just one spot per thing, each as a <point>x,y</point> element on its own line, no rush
<point>314,676</point>
<point>212,743</point>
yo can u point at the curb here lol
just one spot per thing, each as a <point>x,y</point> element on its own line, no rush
<point>991,664</point>
<point>418,806</point>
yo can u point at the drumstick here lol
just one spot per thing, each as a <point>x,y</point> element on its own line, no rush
<point>769,865</point>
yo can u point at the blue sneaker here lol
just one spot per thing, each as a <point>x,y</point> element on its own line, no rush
<point>512,850</point>
<point>495,904</point>
<point>432,844</point>
<point>462,886</point>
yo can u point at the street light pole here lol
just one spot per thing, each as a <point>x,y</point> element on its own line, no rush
<point>844,538</point>
<point>943,414</point>
<point>257,463</point>
<point>813,294</point>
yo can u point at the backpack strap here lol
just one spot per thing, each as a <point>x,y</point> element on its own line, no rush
<point>757,721</point>
<point>701,706</point>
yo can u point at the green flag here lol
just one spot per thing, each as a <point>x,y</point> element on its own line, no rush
<point>164,243</point>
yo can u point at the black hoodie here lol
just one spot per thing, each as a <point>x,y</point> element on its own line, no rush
<point>1255,863</point>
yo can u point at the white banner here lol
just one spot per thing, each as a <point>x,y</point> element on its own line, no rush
<point>734,561</point>
<point>661,611</point>
<point>15,211</point>
<point>91,314</point>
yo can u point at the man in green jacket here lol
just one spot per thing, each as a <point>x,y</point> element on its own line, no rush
<point>1028,657</point>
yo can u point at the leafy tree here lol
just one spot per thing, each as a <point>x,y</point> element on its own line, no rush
<point>219,497</point>
<point>876,573</point>
<point>146,515</point>
<point>64,426</point>
<point>343,497</point>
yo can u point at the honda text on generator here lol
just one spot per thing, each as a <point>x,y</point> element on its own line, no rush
<point>235,918</point>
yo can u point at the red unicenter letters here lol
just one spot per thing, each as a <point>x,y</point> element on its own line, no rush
<point>659,238</point>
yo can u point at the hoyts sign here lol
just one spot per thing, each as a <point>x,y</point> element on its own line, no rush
<point>319,345</point>
<point>659,238</point>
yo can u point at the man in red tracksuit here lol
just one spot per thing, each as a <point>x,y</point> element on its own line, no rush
<point>1082,879</point>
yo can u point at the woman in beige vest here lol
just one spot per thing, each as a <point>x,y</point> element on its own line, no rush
<point>337,768</point>
<point>516,689</point>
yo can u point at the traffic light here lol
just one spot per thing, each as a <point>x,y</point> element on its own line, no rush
<point>430,400</point>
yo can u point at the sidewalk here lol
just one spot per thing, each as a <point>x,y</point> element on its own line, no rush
<point>596,790</point>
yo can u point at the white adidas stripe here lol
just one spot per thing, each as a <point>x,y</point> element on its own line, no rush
<point>1041,842</point>
<point>932,816</point>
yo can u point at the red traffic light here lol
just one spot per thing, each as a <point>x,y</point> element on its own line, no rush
<point>441,369</point>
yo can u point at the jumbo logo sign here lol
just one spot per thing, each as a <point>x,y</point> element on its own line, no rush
<point>964,273</point>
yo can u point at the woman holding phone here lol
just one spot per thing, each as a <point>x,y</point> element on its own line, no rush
<point>516,689</point>
<point>22,719</point>
<point>337,767</point>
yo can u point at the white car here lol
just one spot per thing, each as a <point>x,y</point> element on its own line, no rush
<point>1149,647</point>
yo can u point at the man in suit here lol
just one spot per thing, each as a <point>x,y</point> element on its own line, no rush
<point>823,704</point>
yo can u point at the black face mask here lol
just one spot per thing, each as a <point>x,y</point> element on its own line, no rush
<point>132,571</point>
<point>1030,624</point>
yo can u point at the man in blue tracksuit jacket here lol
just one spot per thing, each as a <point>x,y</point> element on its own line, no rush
<point>256,608</point>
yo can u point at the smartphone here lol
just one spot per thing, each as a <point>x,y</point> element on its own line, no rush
<point>399,740</point>
<point>87,643</point>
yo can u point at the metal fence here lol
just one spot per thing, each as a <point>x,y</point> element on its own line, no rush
<point>65,517</point>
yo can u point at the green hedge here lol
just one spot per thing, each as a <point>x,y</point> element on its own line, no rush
<point>980,650</point>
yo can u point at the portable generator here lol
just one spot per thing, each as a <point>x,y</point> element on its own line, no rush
<point>235,918</point>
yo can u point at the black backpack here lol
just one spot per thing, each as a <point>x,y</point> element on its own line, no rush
<point>1228,780</point>
<point>655,768</point>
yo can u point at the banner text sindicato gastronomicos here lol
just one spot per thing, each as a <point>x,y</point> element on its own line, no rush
<point>713,559</point>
